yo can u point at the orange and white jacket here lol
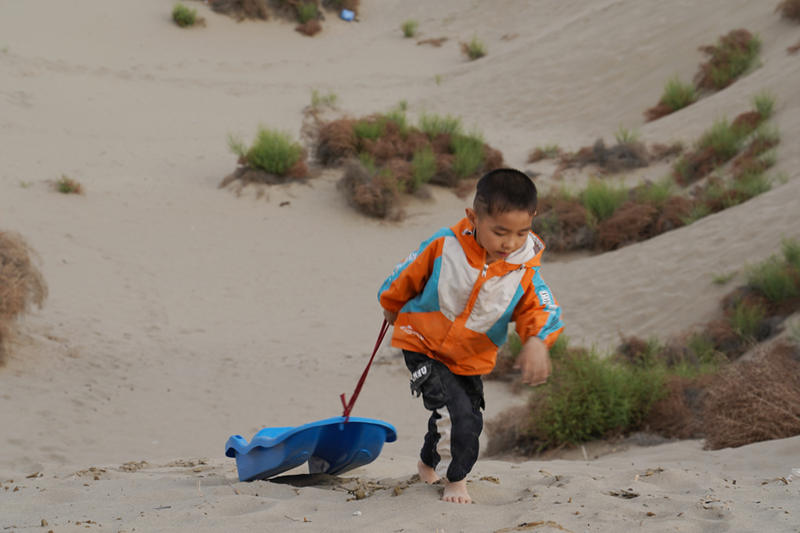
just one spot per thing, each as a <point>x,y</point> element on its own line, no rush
<point>456,309</point>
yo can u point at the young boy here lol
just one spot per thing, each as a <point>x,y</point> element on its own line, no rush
<point>451,302</point>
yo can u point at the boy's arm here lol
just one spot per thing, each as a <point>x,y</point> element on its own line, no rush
<point>538,323</point>
<point>408,279</point>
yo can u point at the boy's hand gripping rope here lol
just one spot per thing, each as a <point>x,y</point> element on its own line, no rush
<point>348,406</point>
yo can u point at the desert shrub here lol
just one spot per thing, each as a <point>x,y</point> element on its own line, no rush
<point>468,154</point>
<point>625,135</point>
<point>549,151</point>
<point>746,319</point>
<point>241,9</point>
<point>309,27</point>
<point>67,185</point>
<point>397,116</point>
<point>306,11</point>
<point>764,104</point>
<point>601,199</point>
<point>778,278</point>
<point>434,125</point>
<point>336,141</point>
<point>749,185</point>
<point>756,400</point>
<point>272,151</point>
<point>676,95</point>
<point>21,283</point>
<point>731,57</point>
<point>723,139</point>
<point>589,397</point>
<point>423,166</point>
<point>319,100</point>
<point>789,9</point>
<point>655,193</point>
<point>475,49</point>
<point>372,193</point>
<point>630,223</point>
<point>183,16</point>
<point>370,128</point>
<point>409,28</point>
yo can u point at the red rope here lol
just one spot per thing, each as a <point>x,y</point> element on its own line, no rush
<point>348,406</point>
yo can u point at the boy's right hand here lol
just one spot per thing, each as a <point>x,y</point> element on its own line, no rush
<point>389,316</point>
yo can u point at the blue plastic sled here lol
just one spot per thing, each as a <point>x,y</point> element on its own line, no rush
<point>330,446</point>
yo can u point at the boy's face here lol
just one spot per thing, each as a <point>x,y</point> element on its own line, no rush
<point>502,233</point>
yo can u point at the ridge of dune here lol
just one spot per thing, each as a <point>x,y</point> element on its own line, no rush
<point>180,314</point>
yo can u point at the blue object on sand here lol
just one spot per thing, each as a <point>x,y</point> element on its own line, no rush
<point>347,15</point>
<point>329,446</point>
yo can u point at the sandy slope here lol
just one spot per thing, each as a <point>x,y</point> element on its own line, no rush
<point>180,314</point>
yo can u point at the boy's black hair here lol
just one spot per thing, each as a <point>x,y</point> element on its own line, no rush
<point>503,190</point>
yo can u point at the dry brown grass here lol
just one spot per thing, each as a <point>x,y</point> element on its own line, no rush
<point>679,415</point>
<point>630,223</point>
<point>789,9</point>
<point>21,283</point>
<point>372,193</point>
<point>755,400</point>
<point>241,9</point>
<point>336,141</point>
<point>435,42</point>
<point>309,28</point>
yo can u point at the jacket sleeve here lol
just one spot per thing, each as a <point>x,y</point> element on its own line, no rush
<point>538,313</point>
<point>409,277</point>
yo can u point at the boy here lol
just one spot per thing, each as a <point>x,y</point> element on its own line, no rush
<point>450,303</point>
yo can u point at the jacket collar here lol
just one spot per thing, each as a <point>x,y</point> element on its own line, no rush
<point>529,255</point>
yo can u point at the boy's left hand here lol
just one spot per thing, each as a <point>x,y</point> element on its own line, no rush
<point>534,362</point>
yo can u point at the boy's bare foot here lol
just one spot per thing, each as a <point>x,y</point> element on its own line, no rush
<point>456,492</point>
<point>426,473</point>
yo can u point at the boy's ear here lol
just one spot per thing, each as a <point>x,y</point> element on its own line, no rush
<point>470,215</point>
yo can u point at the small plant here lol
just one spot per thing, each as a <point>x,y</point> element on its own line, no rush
<point>723,140</point>
<point>272,151</point>
<point>437,79</point>
<point>678,94</point>
<point>369,129</point>
<point>306,11</point>
<point>433,125</point>
<point>746,319</point>
<point>789,9</point>
<point>764,103</point>
<point>183,16</point>
<point>625,135</point>
<point>722,279</point>
<point>66,185</point>
<point>731,57</point>
<point>409,28</point>
<point>655,193</point>
<point>791,253</point>
<point>467,154</point>
<point>318,100</point>
<point>475,49</point>
<point>776,279</point>
<point>424,167</point>
<point>601,199</point>
<point>397,115</point>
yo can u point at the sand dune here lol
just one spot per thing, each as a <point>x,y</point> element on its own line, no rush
<point>180,313</point>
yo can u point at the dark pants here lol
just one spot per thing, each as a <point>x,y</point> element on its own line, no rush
<point>462,396</point>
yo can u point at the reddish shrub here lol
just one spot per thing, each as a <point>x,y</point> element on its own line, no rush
<point>336,141</point>
<point>657,111</point>
<point>562,223</point>
<point>660,151</point>
<point>492,158</point>
<point>747,122</point>
<point>755,400</point>
<point>679,414</point>
<point>402,172</point>
<point>673,215</point>
<point>789,9</point>
<point>695,165</point>
<point>437,42</point>
<point>722,58</point>
<point>632,222</point>
<point>241,9</point>
<point>794,48</point>
<point>441,143</point>
<point>444,170</point>
<point>309,28</point>
<point>372,194</point>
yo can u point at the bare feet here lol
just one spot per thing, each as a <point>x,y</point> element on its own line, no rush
<point>456,492</point>
<point>426,473</point>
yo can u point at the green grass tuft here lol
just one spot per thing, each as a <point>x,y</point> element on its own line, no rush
<point>723,139</point>
<point>602,199</point>
<point>423,166</point>
<point>746,319</point>
<point>764,104</point>
<point>183,16</point>
<point>272,151</point>
<point>409,28</point>
<point>475,49</point>
<point>468,154</point>
<point>67,185</point>
<point>369,129</point>
<point>678,94</point>
<point>656,193</point>
<point>775,279</point>
<point>318,100</point>
<point>625,135</point>
<point>433,125</point>
<point>306,11</point>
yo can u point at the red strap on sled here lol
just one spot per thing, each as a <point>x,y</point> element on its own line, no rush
<point>348,406</point>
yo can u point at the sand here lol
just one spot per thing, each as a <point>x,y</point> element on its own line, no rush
<point>180,313</point>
